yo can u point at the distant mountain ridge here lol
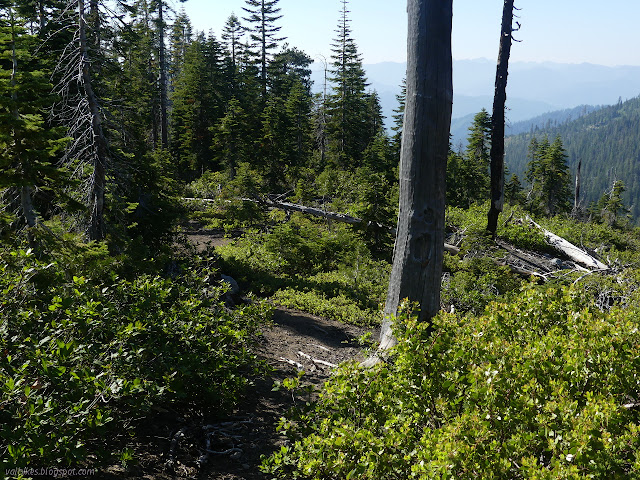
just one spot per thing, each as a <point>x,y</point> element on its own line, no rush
<point>533,89</point>
<point>607,140</point>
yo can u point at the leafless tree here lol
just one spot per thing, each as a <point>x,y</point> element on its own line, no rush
<point>497,119</point>
<point>81,112</point>
<point>418,252</point>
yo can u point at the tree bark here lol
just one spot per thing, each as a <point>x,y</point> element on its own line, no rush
<point>97,189</point>
<point>418,251</point>
<point>576,199</point>
<point>497,119</point>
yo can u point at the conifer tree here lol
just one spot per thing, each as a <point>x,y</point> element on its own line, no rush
<point>263,15</point>
<point>28,148</point>
<point>549,176</point>
<point>231,138</point>
<point>197,105</point>
<point>232,40</point>
<point>398,117</point>
<point>611,207</point>
<point>347,104</point>
<point>468,174</point>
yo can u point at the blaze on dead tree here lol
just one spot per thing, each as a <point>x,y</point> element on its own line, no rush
<point>418,252</point>
<point>497,120</point>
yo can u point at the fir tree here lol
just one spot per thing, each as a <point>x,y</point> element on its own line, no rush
<point>468,174</point>
<point>28,148</point>
<point>347,105</point>
<point>549,176</point>
<point>263,15</point>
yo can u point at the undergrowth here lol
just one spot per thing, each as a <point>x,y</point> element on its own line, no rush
<point>84,358</point>
<point>533,389</point>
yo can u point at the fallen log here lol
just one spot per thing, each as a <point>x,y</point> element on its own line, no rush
<point>570,250</point>
<point>317,212</point>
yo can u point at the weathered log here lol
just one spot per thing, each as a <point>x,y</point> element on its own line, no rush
<point>317,212</point>
<point>570,250</point>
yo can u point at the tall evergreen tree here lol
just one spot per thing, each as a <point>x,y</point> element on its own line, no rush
<point>549,176</point>
<point>263,15</point>
<point>28,148</point>
<point>232,34</point>
<point>197,105</point>
<point>347,104</point>
<point>398,117</point>
<point>468,173</point>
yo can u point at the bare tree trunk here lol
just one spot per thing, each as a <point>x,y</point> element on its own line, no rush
<point>576,199</point>
<point>164,122</point>
<point>418,252</point>
<point>497,119</point>
<point>97,187</point>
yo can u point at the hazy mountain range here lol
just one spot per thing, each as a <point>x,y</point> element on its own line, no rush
<point>533,88</point>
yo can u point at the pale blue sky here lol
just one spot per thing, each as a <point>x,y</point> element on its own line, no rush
<point>571,31</point>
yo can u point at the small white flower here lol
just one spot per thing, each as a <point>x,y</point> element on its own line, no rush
<point>570,457</point>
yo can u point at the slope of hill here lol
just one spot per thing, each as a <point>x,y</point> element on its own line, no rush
<point>534,88</point>
<point>607,142</point>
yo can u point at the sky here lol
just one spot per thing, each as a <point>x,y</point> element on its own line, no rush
<point>603,32</point>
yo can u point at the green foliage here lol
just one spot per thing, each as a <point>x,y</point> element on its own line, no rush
<point>605,140</point>
<point>468,173</point>
<point>548,174</point>
<point>475,282</point>
<point>300,264</point>
<point>532,389</point>
<point>83,357</point>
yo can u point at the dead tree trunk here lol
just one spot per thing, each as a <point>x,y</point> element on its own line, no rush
<point>418,252</point>
<point>98,180</point>
<point>576,199</point>
<point>497,119</point>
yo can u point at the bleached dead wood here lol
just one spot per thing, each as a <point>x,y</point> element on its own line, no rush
<point>570,250</point>
<point>315,360</point>
<point>299,366</point>
<point>318,212</point>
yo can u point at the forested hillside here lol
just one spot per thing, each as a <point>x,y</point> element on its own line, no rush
<point>191,240</point>
<point>606,143</point>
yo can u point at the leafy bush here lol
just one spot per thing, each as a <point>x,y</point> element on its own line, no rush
<point>302,265</point>
<point>82,357</point>
<point>533,389</point>
<point>474,283</point>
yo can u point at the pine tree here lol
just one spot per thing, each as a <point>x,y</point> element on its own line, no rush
<point>347,105</point>
<point>232,41</point>
<point>611,207</point>
<point>468,174</point>
<point>28,148</point>
<point>549,176</point>
<point>398,118</point>
<point>231,138</point>
<point>197,105</point>
<point>263,15</point>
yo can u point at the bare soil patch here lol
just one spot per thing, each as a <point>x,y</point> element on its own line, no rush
<point>178,445</point>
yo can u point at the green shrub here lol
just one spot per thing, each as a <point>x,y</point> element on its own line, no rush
<point>475,282</point>
<point>83,357</point>
<point>302,265</point>
<point>533,389</point>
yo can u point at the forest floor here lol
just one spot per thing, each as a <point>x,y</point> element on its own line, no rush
<point>172,444</point>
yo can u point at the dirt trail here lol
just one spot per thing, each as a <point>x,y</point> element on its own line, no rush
<point>174,447</point>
